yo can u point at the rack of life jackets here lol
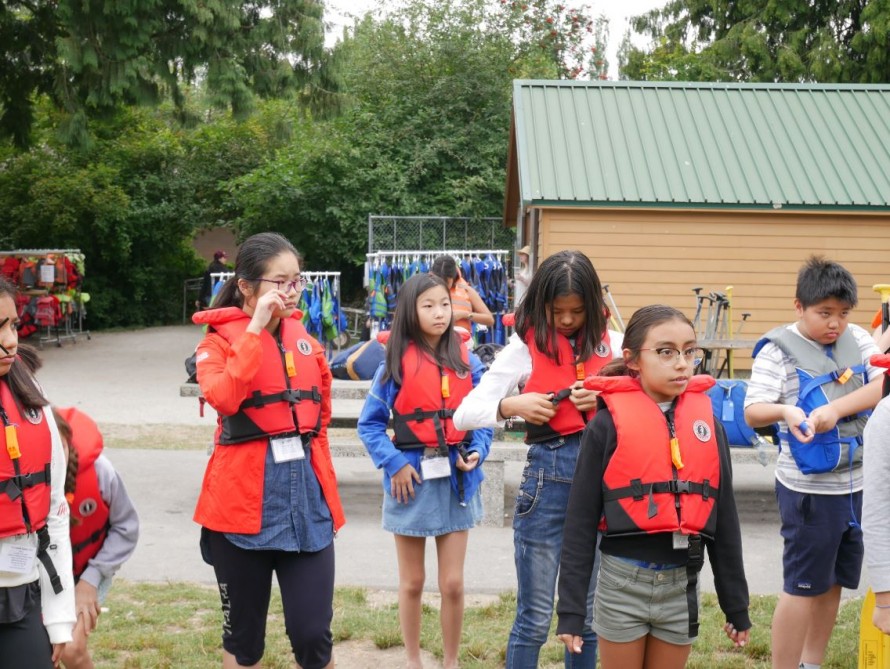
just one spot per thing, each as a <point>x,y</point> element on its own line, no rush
<point>485,270</point>
<point>50,302</point>
<point>319,302</point>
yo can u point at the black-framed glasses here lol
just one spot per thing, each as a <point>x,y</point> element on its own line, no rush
<point>669,355</point>
<point>287,286</point>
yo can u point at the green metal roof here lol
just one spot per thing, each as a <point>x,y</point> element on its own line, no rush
<point>629,143</point>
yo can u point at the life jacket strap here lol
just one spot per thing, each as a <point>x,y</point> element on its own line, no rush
<point>14,486</point>
<point>694,565</point>
<point>291,395</point>
<point>95,536</point>
<point>829,377</point>
<point>637,489</point>
<point>46,561</point>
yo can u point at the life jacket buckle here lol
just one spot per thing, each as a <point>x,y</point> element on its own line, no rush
<point>677,487</point>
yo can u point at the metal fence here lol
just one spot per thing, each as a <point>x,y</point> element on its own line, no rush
<point>431,233</point>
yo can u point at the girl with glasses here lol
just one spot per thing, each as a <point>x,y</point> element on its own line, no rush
<point>269,501</point>
<point>560,339</point>
<point>654,477</point>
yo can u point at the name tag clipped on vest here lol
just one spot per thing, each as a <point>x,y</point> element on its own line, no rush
<point>18,558</point>
<point>285,449</point>
<point>434,466</point>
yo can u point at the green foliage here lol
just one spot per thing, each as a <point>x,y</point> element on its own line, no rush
<point>762,40</point>
<point>92,56</point>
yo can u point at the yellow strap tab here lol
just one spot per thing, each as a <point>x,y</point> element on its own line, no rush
<point>843,378</point>
<point>675,453</point>
<point>446,391</point>
<point>12,443</point>
<point>289,362</point>
<point>579,371</point>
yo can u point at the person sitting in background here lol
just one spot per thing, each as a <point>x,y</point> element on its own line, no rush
<point>467,305</point>
<point>217,265</point>
<point>523,275</point>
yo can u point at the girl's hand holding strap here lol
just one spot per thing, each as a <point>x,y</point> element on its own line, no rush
<point>468,464</point>
<point>401,486</point>
<point>573,643</point>
<point>534,408</point>
<point>583,399</point>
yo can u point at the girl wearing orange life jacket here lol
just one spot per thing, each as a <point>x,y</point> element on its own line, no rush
<point>269,501</point>
<point>431,469</point>
<point>560,339</point>
<point>36,584</point>
<point>654,477</point>
<point>104,525</point>
<point>466,303</point>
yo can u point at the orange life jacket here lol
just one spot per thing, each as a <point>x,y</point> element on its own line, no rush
<point>460,301</point>
<point>548,376</point>
<point>650,484</point>
<point>425,404</point>
<point>285,395</point>
<point>88,510</point>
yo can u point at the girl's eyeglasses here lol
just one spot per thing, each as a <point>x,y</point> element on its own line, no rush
<point>287,286</point>
<point>669,356</point>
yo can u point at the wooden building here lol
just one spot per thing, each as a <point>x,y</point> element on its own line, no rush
<point>670,186</point>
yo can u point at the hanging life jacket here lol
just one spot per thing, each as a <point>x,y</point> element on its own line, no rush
<point>285,394</point>
<point>25,485</point>
<point>548,376</point>
<point>423,411</point>
<point>665,471</point>
<point>88,510</point>
<point>824,378</point>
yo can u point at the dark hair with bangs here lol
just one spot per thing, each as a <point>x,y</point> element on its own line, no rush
<point>406,329</point>
<point>251,263</point>
<point>564,273</point>
<point>821,279</point>
<point>643,320</point>
<point>24,388</point>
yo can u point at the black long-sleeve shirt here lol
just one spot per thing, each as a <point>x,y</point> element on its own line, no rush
<point>585,507</point>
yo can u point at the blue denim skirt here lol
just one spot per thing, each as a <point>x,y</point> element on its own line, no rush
<point>433,511</point>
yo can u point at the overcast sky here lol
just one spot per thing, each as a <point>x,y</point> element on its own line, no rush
<point>617,11</point>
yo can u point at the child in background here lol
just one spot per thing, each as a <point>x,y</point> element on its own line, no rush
<point>104,525</point>
<point>431,469</point>
<point>560,339</point>
<point>36,584</point>
<point>655,477</point>
<point>819,505</point>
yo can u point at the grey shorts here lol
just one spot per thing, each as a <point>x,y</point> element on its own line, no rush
<point>633,601</point>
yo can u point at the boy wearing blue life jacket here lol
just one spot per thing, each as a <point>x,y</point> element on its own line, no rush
<point>812,377</point>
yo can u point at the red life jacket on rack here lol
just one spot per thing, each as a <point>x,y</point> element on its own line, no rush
<point>88,510</point>
<point>423,411</point>
<point>644,492</point>
<point>276,403</point>
<point>548,376</point>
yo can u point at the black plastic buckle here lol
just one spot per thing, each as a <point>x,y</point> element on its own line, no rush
<point>636,489</point>
<point>678,487</point>
<point>696,552</point>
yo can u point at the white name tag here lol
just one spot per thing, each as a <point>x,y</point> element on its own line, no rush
<point>285,449</point>
<point>18,558</point>
<point>680,540</point>
<point>435,468</point>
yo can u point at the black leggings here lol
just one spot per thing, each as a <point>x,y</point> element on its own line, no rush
<point>245,586</point>
<point>25,643</point>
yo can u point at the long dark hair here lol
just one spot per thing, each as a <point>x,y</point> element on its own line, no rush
<point>564,273</point>
<point>250,265</point>
<point>638,327</point>
<point>406,329</point>
<point>20,378</point>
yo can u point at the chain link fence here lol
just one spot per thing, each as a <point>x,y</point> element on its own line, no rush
<point>432,233</point>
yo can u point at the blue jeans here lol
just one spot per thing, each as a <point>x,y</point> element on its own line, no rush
<point>537,540</point>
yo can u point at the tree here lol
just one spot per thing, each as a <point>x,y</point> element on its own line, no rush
<point>91,56</point>
<point>764,40</point>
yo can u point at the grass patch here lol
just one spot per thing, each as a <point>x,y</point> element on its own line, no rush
<point>177,625</point>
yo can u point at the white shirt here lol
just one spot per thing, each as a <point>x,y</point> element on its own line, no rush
<point>774,381</point>
<point>511,367</point>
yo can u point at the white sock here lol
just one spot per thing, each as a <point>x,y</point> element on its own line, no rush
<point>809,665</point>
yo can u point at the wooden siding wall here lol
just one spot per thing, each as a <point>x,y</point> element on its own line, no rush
<point>658,256</point>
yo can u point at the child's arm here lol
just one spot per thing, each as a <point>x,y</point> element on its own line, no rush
<point>725,552</point>
<point>480,408</point>
<point>876,510</point>
<point>764,397</point>
<point>226,372</point>
<point>580,532</point>
<point>481,441</point>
